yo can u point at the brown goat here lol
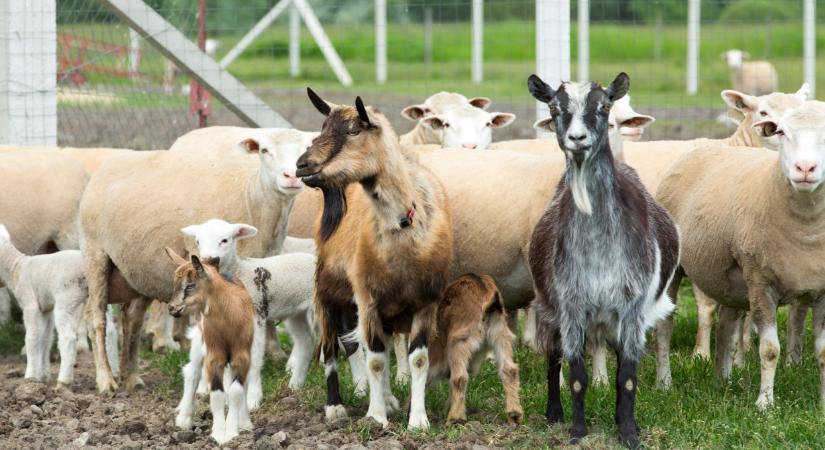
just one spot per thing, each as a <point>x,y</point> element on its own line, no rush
<point>472,321</point>
<point>387,242</point>
<point>227,327</point>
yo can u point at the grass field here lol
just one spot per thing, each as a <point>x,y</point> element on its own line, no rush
<point>509,56</point>
<point>699,412</point>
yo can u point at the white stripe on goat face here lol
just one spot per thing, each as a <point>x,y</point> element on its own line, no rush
<point>576,134</point>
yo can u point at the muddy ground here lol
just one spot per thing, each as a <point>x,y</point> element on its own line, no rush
<point>34,416</point>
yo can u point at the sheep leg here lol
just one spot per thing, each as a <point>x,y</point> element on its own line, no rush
<point>191,378</point>
<point>68,314</point>
<point>458,352</point>
<point>747,326</point>
<point>81,332</point>
<point>97,268</point>
<point>402,369</point>
<point>598,350</point>
<point>255,392</point>
<point>45,340</point>
<point>303,340</point>
<point>705,307</point>
<point>578,388</point>
<point>112,336</point>
<point>36,324</point>
<point>358,367</point>
<point>555,411</point>
<point>797,313</point>
<point>626,384</point>
<point>664,332</point>
<point>422,324</point>
<point>215,364</point>
<point>819,346</point>
<point>273,344</point>
<point>501,339</point>
<point>160,326</point>
<point>132,323</point>
<point>528,336</point>
<point>763,309</point>
<point>728,328</point>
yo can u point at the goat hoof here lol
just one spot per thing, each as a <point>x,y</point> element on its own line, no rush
<point>630,439</point>
<point>335,412</point>
<point>454,421</point>
<point>106,386</point>
<point>577,434</point>
<point>134,382</point>
<point>515,417</point>
<point>418,422</point>
<point>555,415</point>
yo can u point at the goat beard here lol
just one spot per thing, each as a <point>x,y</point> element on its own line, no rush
<point>578,187</point>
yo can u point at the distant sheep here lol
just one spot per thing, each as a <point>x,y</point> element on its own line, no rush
<point>752,77</point>
<point>438,103</point>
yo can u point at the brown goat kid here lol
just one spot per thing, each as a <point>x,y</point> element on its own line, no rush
<point>472,321</point>
<point>227,328</point>
<point>387,242</point>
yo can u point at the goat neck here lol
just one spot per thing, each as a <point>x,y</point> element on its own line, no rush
<point>593,177</point>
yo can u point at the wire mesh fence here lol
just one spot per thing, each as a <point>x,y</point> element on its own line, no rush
<point>116,89</point>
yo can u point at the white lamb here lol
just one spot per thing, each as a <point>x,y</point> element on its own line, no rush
<point>281,288</point>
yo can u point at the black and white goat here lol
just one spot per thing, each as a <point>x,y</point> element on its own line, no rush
<point>601,256</point>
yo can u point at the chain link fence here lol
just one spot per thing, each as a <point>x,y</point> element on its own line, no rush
<point>115,89</point>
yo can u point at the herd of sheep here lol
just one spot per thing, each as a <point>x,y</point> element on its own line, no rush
<point>428,242</point>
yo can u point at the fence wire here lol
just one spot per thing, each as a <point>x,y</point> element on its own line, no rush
<point>115,89</point>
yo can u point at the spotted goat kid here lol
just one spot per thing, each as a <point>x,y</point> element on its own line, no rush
<point>601,256</point>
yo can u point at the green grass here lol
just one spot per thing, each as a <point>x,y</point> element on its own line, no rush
<point>509,56</point>
<point>699,412</point>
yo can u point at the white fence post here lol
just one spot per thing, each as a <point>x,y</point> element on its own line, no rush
<point>294,41</point>
<point>694,16</point>
<point>810,46</point>
<point>552,46</point>
<point>478,41</point>
<point>584,40</point>
<point>28,72</point>
<point>134,54</point>
<point>381,41</point>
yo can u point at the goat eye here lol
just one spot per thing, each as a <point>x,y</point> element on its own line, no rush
<point>552,108</point>
<point>354,132</point>
<point>763,113</point>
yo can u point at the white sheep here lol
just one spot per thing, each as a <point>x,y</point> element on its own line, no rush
<point>281,288</point>
<point>437,103</point>
<point>756,242</point>
<point>467,126</point>
<point>752,77</point>
<point>51,290</point>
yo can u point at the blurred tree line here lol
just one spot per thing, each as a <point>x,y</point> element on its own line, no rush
<point>226,16</point>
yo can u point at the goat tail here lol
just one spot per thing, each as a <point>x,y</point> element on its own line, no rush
<point>328,336</point>
<point>658,310</point>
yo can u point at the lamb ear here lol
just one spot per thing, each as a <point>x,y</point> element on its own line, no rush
<point>618,87</point>
<point>319,103</point>
<point>243,231</point>
<point>250,145</point>
<point>415,112</point>
<point>434,122</point>
<point>177,259</point>
<point>768,128</point>
<point>540,90</point>
<point>804,91</point>
<point>547,124</point>
<point>4,233</point>
<point>637,121</point>
<point>500,120</point>
<point>191,230</point>
<point>480,102</point>
<point>740,101</point>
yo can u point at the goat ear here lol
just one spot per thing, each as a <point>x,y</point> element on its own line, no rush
<point>500,119</point>
<point>362,111</point>
<point>768,128</point>
<point>198,266</point>
<point>434,122</point>
<point>177,259</point>
<point>547,124</point>
<point>319,103</point>
<point>740,101</point>
<point>480,102</point>
<point>243,231</point>
<point>250,145</point>
<point>637,121</point>
<point>618,87</point>
<point>804,91</point>
<point>540,90</point>
<point>415,112</point>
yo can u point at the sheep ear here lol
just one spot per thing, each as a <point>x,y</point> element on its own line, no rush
<point>540,90</point>
<point>804,91</point>
<point>177,259</point>
<point>319,103</point>
<point>547,124</point>
<point>250,145</point>
<point>740,101</point>
<point>500,120</point>
<point>618,87</point>
<point>637,121</point>
<point>415,112</point>
<point>480,102</point>
<point>191,230</point>
<point>243,231</point>
<point>4,233</point>
<point>768,128</point>
<point>434,122</point>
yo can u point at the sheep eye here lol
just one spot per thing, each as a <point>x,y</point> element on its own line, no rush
<point>763,113</point>
<point>446,125</point>
<point>489,124</point>
<point>224,241</point>
<point>264,151</point>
